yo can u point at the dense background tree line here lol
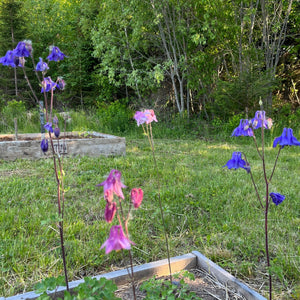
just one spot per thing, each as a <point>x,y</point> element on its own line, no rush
<point>213,58</point>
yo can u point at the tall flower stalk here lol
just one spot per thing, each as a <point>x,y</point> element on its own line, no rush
<point>239,160</point>
<point>16,58</point>
<point>145,118</point>
<point>119,240</point>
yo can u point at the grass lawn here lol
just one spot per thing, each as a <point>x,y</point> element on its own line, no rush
<point>207,208</point>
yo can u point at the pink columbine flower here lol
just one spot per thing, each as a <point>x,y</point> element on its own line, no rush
<point>113,182</point>
<point>116,240</point>
<point>110,211</point>
<point>136,197</point>
<point>150,116</point>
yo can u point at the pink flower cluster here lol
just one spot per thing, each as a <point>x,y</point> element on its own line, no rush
<point>113,186</point>
<point>147,116</point>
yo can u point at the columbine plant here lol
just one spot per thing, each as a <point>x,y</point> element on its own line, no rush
<point>145,118</point>
<point>239,160</point>
<point>16,58</point>
<point>117,239</point>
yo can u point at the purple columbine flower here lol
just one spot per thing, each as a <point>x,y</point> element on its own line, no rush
<point>277,198</point>
<point>48,85</point>
<point>44,145</point>
<point>136,196</point>
<point>140,118</point>
<point>243,129</point>
<point>56,132</point>
<point>10,60</point>
<point>48,126</point>
<point>55,54</point>
<point>260,120</point>
<point>55,120</point>
<point>113,182</point>
<point>110,211</point>
<point>286,139</point>
<point>117,240</point>
<point>21,50</point>
<point>236,162</point>
<point>42,66</point>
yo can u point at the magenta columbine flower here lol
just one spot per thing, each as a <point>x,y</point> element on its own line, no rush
<point>48,85</point>
<point>117,240</point>
<point>243,129</point>
<point>277,198</point>
<point>55,54</point>
<point>44,145</point>
<point>236,162</point>
<point>113,183</point>
<point>110,211</point>
<point>48,126</point>
<point>286,139</point>
<point>136,196</point>
<point>42,66</point>
<point>260,120</point>
<point>21,50</point>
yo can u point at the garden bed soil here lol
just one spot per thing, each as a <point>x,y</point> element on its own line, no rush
<point>204,286</point>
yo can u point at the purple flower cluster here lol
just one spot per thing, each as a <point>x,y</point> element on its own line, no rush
<point>16,58</point>
<point>147,116</point>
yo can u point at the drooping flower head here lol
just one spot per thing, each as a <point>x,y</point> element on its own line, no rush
<point>260,120</point>
<point>42,66</point>
<point>243,129</point>
<point>236,162</point>
<point>110,211</point>
<point>48,126</point>
<point>116,240</point>
<point>147,116</point>
<point>21,50</point>
<point>140,118</point>
<point>55,54</point>
<point>286,139</point>
<point>113,182</point>
<point>277,198</point>
<point>136,196</point>
<point>44,145</point>
<point>150,115</point>
<point>10,60</point>
<point>56,131</point>
<point>55,120</point>
<point>60,83</point>
<point>48,85</point>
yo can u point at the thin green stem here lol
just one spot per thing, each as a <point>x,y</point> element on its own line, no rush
<point>159,199</point>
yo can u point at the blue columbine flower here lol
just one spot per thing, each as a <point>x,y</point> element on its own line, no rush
<point>44,145</point>
<point>48,127</point>
<point>48,84</point>
<point>21,50</point>
<point>286,139</point>
<point>41,66</point>
<point>243,129</point>
<point>236,162</point>
<point>55,54</point>
<point>277,198</point>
